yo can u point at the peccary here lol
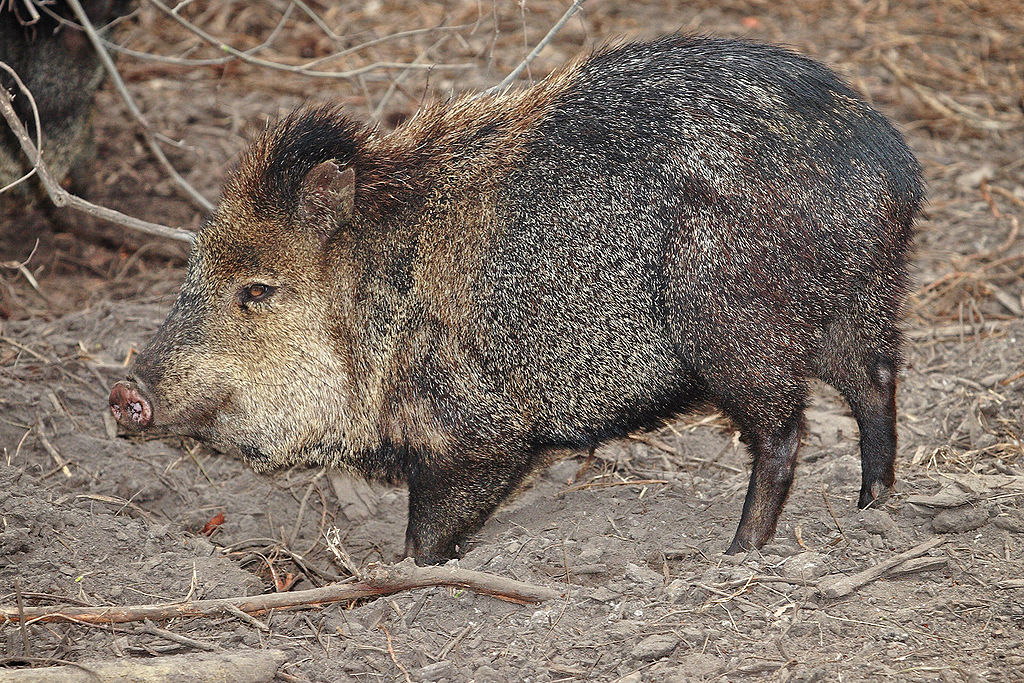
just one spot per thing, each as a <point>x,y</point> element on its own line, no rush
<point>656,226</point>
<point>62,71</point>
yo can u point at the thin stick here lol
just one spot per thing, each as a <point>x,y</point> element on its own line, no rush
<point>62,464</point>
<point>61,197</point>
<point>536,50</point>
<point>840,586</point>
<point>379,580</point>
<point>154,630</point>
<point>397,80</point>
<point>302,508</point>
<point>832,514</point>
<point>35,117</point>
<point>932,98</point>
<point>391,651</point>
<point>147,132</point>
<point>27,651</point>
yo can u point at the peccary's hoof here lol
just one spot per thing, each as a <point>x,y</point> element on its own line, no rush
<point>130,408</point>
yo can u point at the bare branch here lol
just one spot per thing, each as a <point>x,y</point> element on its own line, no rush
<point>147,133</point>
<point>61,197</point>
<point>302,70</point>
<point>536,50</point>
<point>379,580</point>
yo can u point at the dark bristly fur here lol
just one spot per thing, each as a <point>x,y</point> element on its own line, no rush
<point>690,220</point>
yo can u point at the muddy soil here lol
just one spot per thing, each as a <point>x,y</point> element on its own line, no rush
<point>632,536</point>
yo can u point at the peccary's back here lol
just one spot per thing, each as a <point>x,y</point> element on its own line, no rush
<point>681,199</point>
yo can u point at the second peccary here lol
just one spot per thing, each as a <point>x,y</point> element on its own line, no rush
<point>656,226</point>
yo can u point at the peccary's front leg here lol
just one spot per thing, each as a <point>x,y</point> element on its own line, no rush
<point>449,500</point>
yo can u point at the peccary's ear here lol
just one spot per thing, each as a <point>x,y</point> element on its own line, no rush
<point>328,196</point>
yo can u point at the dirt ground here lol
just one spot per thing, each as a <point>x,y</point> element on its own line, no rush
<point>91,517</point>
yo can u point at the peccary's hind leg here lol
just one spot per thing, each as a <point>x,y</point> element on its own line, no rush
<point>448,501</point>
<point>774,447</point>
<point>874,408</point>
<point>865,373</point>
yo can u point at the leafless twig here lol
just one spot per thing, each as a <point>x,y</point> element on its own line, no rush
<point>35,117</point>
<point>61,197</point>
<point>841,586</point>
<point>298,69</point>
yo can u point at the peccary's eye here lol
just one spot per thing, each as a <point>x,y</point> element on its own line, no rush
<point>255,292</point>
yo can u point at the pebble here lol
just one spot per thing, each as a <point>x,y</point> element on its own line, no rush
<point>807,566</point>
<point>876,522</point>
<point>433,672</point>
<point>958,520</point>
<point>655,647</point>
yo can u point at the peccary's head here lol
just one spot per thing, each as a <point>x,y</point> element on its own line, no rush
<point>252,357</point>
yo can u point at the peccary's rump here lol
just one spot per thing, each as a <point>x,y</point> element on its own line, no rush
<point>658,225</point>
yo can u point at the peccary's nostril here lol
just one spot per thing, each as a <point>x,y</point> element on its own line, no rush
<point>130,408</point>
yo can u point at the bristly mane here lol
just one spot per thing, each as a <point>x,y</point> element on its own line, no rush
<point>270,173</point>
<point>464,143</point>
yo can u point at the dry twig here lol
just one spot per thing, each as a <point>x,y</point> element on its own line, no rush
<point>296,69</point>
<point>536,50</point>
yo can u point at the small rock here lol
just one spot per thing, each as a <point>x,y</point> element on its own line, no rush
<point>655,647</point>
<point>677,590</point>
<point>603,594</point>
<point>807,566</point>
<point>701,665</point>
<point>948,497</point>
<point>876,522</point>
<point>958,520</point>
<point>486,674</point>
<point>643,575</point>
<point>433,672</point>
<point>1011,521</point>
<point>780,549</point>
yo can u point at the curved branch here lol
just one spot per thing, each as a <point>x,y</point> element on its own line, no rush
<point>536,50</point>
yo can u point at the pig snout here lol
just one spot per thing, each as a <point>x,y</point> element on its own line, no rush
<point>130,406</point>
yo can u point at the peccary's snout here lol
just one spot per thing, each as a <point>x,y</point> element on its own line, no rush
<point>130,406</point>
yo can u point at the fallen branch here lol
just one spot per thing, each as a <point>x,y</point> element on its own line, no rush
<point>378,580</point>
<point>61,197</point>
<point>840,586</point>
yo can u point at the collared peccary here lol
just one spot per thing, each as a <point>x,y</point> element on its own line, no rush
<point>62,71</point>
<point>659,225</point>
